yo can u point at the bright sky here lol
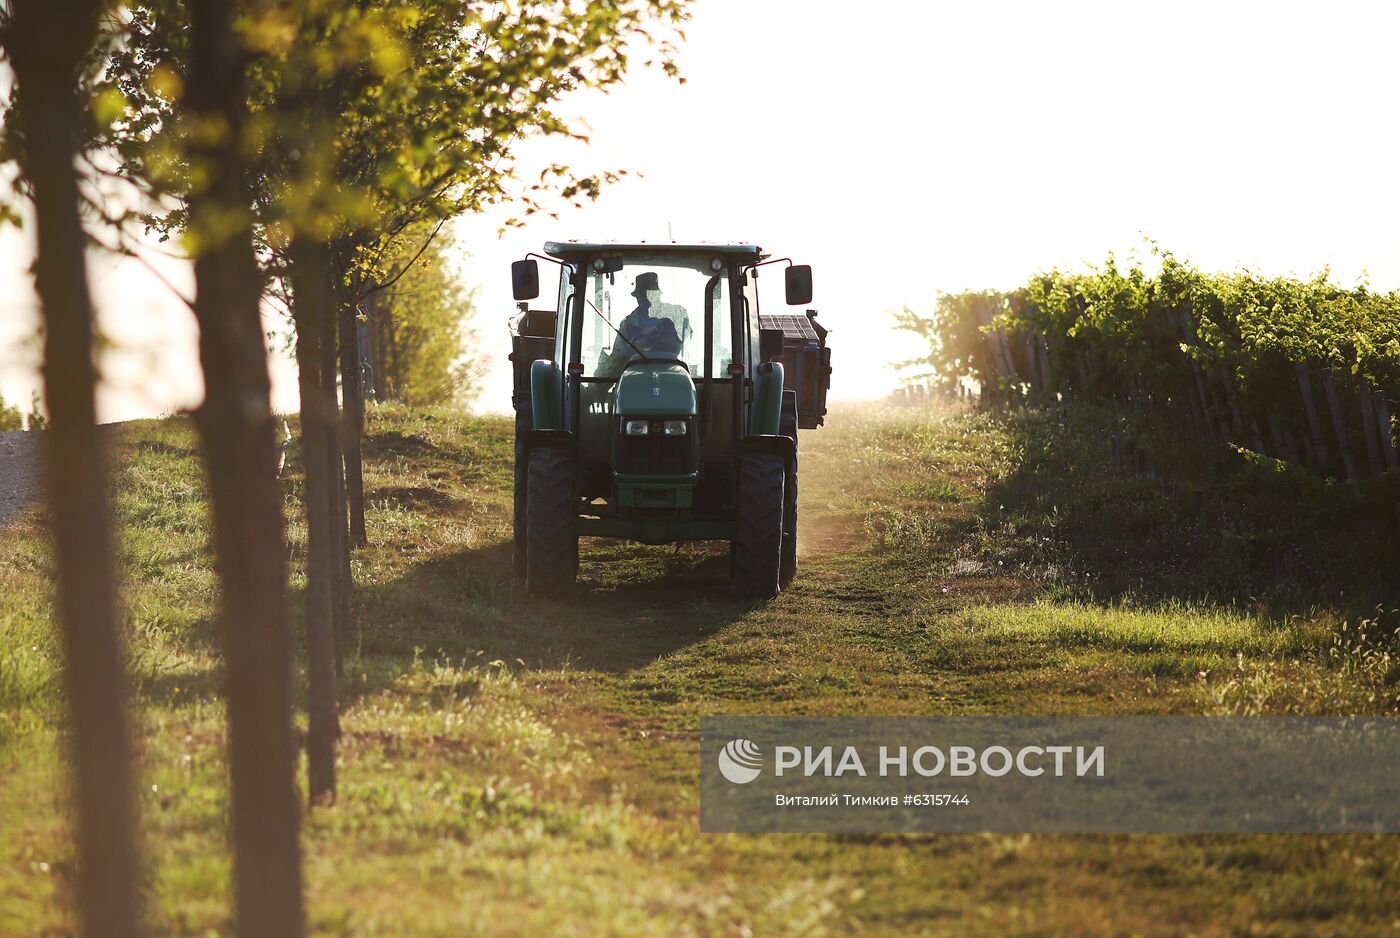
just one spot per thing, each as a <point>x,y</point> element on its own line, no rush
<point>926,146</point>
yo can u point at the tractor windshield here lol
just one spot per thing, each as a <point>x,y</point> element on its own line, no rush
<point>653,307</point>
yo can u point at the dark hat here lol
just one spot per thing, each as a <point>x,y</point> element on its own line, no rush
<point>646,281</point>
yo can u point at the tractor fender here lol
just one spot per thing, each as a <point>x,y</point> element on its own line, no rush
<point>768,401</point>
<point>546,395</point>
<point>542,439</point>
<point>771,443</point>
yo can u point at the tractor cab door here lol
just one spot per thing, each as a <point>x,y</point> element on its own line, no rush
<point>565,314</point>
<point>752,352</point>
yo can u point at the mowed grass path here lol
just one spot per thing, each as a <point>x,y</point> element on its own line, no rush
<point>524,768</point>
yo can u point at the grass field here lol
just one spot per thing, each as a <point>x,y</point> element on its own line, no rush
<point>525,768</point>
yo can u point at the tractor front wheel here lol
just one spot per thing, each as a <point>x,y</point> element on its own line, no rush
<point>551,550</point>
<point>757,551</point>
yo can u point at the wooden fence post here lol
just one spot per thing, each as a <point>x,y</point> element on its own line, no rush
<point>1188,334</point>
<point>1232,403</point>
<point>1368,425</point>
<point>1319,447</point>
<point>1334,404</point>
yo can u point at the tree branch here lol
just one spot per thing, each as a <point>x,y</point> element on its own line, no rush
<point>395,279</point>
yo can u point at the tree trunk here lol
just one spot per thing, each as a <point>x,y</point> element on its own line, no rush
<point>383,324</point>
<point>392,360</point>
<point>311,308</point>
<point>45,40</point>
<point>1334,404</point>
<point>373,349</point>
<point>1319,447</point>
<point>239,435</point>
<point>353,424</point>
<point>335,467</point>
<point>346,630</point>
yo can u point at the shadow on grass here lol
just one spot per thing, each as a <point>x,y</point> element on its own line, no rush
<point>1166,521</point>
<point>632,605</point>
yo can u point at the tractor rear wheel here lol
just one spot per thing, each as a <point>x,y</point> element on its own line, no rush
<point>757,551</point>
<point>789,429</point>
<point>788,569</point>
<point>522,457</point>
<point>551,549</point>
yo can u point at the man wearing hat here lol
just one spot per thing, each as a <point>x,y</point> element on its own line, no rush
<point>654,329</point>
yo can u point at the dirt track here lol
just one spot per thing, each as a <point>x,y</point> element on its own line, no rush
<point>20,472</point>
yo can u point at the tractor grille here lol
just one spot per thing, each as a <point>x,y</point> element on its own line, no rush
<point>655,454</point>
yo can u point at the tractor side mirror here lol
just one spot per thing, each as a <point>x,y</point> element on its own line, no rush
<point>798,280</point>
<point>525,279</point>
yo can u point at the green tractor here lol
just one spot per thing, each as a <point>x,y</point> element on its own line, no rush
<point>655,403</point>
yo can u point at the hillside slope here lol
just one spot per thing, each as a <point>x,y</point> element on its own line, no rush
<point>524,768</point>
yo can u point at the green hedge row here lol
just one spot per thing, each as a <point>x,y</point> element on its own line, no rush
<point>1304,371</point>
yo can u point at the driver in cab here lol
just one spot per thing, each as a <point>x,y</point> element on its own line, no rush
<point>654,329</point>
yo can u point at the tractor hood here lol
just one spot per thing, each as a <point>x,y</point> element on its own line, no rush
<point>659,389</point>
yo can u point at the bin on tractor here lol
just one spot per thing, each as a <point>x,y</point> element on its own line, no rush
<point>655,403</point>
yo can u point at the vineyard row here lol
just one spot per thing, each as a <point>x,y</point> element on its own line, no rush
<point>1307,372</point>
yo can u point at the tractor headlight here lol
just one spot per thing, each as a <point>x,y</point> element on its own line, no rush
<point>635,428</point>
<point>673,427</point>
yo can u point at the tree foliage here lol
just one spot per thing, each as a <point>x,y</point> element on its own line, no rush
<point>367,119</point>
<point>420,327</point>
<point>10,417</point>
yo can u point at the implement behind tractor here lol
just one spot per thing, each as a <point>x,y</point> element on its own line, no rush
<point>653,402</point>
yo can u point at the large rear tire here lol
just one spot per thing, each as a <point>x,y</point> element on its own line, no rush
<point>788,571</point>
<point>757,551</point>
<point>788,568</point>
<point>551,549</point>
<point>518,545</point>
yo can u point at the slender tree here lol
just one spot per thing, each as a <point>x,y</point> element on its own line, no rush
<point>313,310</point>
<point>353,421</point>
<point>239,435</point>
<point>45,42</point>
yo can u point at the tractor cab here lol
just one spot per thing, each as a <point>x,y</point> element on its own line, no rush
<point>645,392</point>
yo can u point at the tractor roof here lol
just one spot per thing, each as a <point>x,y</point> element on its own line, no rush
<point>567,249</point>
